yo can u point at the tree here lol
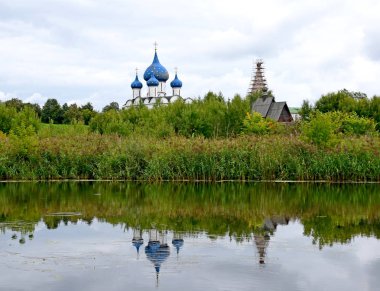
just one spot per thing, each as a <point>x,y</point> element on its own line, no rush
<point>334,101</point>
<point>73,114</point>
<point>6,116</point>
<point>111,106</point>
<point>52,111</point>
<point>15,103</point>
<point>320,130</point>
<point>306,110</point>
<point>88,106</point>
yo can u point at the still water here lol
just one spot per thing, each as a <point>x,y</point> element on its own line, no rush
<point>127,236</point>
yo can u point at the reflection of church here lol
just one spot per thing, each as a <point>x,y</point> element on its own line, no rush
<point>156,76</point>
<point>262,236</point>
<point>157,251</point>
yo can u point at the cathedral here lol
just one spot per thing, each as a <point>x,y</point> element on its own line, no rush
<point>155,76</point>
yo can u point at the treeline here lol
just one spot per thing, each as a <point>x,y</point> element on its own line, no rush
<point>344,101</point>
<point>210,117</point>
<point>333,116</point>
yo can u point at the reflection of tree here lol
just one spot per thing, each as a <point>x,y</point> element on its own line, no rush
<point>235,209</point>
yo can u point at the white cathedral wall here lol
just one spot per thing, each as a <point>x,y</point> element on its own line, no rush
<point>162,87</point>
<point>152,91</point>
<point>136,93</point>
<point>176,92</point>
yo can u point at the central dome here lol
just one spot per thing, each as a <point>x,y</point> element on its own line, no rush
<point>157,70</point>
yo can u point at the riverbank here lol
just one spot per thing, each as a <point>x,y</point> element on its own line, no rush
<point>111,157</point>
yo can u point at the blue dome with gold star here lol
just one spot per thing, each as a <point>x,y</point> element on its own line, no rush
<point>176,83</point>
<point>136,84</point>
<point>156,69</point>
<point>152,81</point>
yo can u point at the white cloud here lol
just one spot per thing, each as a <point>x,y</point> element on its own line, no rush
<point>87,50</point>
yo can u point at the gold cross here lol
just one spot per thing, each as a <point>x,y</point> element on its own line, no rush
<point>155,45</point>
<point>137,70</point>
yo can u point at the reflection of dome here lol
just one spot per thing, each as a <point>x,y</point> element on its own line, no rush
<point>157,70</point>
<point>176,83</point>
<point>178,244</point>
<point>157,254</point>
<point>136,84</point>
<point>137,243</point>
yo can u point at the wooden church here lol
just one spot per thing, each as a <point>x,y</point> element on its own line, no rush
<point>266,105</point>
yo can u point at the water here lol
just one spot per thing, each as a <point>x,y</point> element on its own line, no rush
<point>127,236</point>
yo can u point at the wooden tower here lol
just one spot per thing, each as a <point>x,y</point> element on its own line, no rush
<point>258,81</point>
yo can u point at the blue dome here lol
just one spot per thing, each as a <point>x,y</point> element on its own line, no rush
<point>176,83</point>
<point>157,70</point>
<point>152,81</point>
<point>136,84</point>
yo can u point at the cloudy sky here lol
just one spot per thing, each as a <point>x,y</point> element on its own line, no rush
<point>87,50</point>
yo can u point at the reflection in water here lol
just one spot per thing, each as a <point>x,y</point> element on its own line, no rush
<point>157,250</point>
<point>178,241</point>
<point>137,240</point>
<point>154,215</point>
<point>262,236</point>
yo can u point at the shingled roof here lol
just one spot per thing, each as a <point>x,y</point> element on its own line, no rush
<point>269,108</point>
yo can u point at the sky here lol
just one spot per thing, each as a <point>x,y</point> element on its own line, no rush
<point>80,51</point>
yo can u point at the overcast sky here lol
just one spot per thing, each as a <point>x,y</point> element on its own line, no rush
<point>87,50</point>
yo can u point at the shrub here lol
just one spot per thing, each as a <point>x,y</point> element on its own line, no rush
<point>353,124</point>
<point>6,116</point>
<point>255,124</point>
<point>320,130</point>
<point>110,122</point>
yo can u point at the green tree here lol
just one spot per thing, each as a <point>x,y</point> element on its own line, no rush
<point>236,112</point>
<point>111,106</point>
<point>73,115</point>
<point>6,116</point>
<point>255,124</point>
<point>26,118</point>
<point>109,122</point>
<point>306,110</point>
<point>320,130</point>
<point>335,101</point>
<point>52,110</point>
<point>15,103</point>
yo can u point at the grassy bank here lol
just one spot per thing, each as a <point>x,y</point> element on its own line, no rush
<point>93,156</point>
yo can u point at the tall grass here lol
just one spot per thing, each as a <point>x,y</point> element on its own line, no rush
<point>92,156</point>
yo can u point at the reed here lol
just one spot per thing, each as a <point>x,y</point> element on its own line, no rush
<point>274,157</point>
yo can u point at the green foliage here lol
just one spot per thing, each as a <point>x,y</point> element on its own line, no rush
<point>111,106</point>
<point>320,130</point>
<point>110,122</point>
<point>306,110</point>
<point>353,124</point>
<point>275,157</point>
<point>6,116</point>
<point>255,124</point>
<point>326,128</point>
<point>211,117</point>
<point>335,102</point>
<point>27,117</point>
<point>10,119</point>
<point>351,102</point>
<point>52,111</point>
<point>72,115</point>
<point>62,130</point>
